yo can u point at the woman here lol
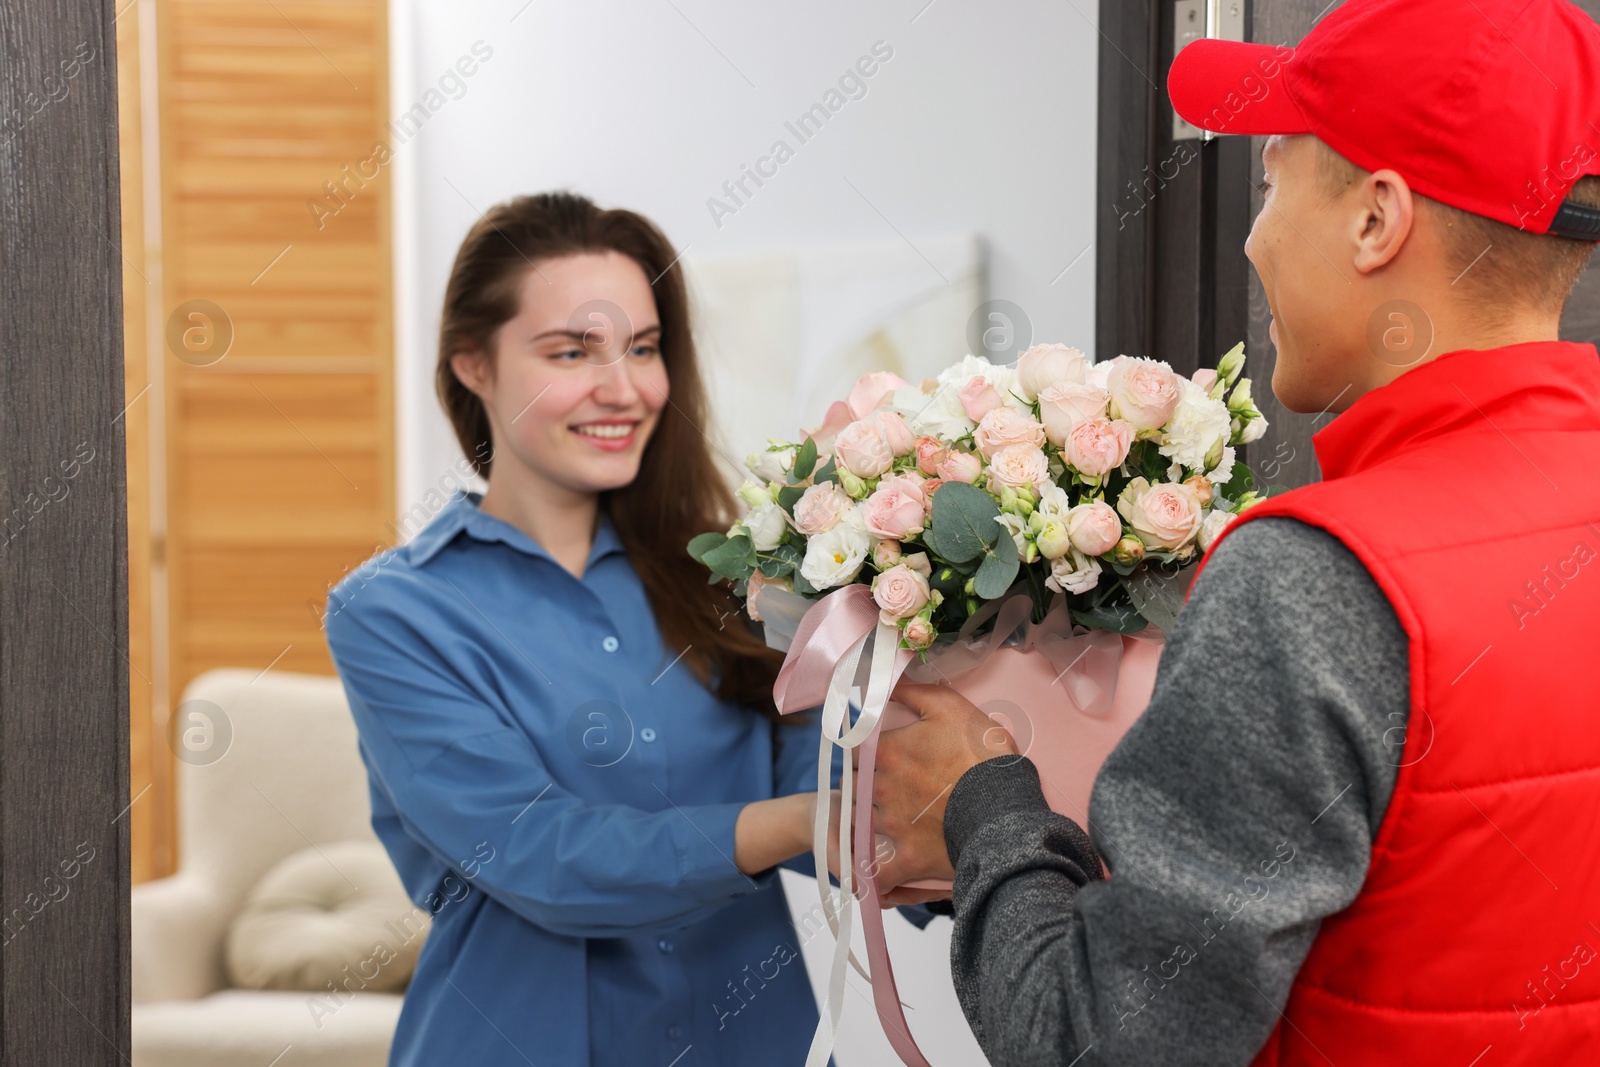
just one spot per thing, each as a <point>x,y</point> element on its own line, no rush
<point>569,734</point>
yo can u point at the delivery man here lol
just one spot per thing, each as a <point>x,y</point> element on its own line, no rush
<point>1359,823</point>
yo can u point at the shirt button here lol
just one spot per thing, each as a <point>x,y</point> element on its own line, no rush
<point>647,735</point>
<point>609,644</point>
<point>674,1032</point>
<point>664,945</point>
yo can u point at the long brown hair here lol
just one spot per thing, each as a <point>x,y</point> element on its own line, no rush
<point>678,492</point>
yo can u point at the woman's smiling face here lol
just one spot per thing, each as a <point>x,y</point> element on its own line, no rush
<point>577,381</point>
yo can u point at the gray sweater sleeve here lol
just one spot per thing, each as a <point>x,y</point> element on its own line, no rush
<point>1236,813</point>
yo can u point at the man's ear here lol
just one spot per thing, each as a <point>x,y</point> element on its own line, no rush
<point>471,369</point>
<point>1388,211</point>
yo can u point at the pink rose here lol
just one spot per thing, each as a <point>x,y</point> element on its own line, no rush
<point>838,418</point>
<point>869,391</point>
<point>1095,528</point>
<point>863,449</point>
<point>894,512</point>
<point>1096,446</point>
<point>820,508</point>
<point>1045,365</point>
<point>918,561</point>
<point>1019,467</point>
<point>1205,378</point>
<point>930,453</point>
<point>929,487</point>
<point>918,633</point>
<point>1063,406</point>
<point>900,592</point>
<point>901,440</point>
<point>1165,515</point>
<point>978,398</point>
<point>1005,426</point>
<point>960,467</point>
<point>909,482</point>
<point>1143,391</point>
<point>885,554</point>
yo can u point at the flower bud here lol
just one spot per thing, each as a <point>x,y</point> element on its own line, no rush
<point>1202,488</point>
<point>851,484</point>
<point>885,554</point>
<point>917,633</point>
<point>1128,550</point>
<point>1053,540</point>
<point>1239,400</point>
<point>1231,364</point>
<point>754,496</point>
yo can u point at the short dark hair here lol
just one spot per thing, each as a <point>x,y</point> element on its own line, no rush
<point>1508,265</point>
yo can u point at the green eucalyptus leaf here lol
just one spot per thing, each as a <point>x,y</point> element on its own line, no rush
<point>803,587</point>
<point>789,495</point>
<point>828,472</point>
<point>1243,480</point>
<point>963,522</point>
<point>699,546</point>
<point>805,460</point>
<point>732,559</point>
<point>998,569</point>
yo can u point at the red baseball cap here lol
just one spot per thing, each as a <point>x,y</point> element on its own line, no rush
<point>1490,106</point>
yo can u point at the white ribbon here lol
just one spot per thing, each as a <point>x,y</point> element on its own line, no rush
<point>837,731</point>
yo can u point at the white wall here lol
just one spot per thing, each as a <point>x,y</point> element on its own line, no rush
<point>981,122</point>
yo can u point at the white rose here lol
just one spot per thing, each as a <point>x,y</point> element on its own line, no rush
<point>835,558</point>
<point>1197,424</point>
<point>766,525</point>
<point>1073,573</point>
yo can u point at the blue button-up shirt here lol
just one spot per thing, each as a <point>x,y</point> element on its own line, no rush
<point>560,792</point>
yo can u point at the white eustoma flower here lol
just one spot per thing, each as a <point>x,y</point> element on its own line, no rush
<point>1222,473</point>
<point>835,558</point>
<point>766,525</point>
<point>938,414</point>
<point>1073,573</point>
<point>1212,525</point>
<point>1054,503</point>
<point>1253,430</point>
<point>1017,527</point>
<point>1196,425</point>
<point>771,466</point>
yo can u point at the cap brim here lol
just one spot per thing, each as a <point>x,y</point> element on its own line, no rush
<point>1224,87</point>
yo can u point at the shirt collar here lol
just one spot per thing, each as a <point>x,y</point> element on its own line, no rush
<point>1540,384</point>
<point>462,515</point>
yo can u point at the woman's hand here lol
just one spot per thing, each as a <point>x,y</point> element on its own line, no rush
<point>768,832</point>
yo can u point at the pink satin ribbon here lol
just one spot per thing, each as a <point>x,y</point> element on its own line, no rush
<point>829,632</point>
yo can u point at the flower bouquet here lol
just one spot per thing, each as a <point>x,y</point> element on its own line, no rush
<point>1023,533</point>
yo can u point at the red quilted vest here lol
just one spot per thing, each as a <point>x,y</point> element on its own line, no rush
<point>1470,489</point>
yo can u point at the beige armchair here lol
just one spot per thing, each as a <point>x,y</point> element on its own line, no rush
<point>289,778</point>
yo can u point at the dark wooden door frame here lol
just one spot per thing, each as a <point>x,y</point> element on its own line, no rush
<point>1172,279</point>
<point>64,874</point>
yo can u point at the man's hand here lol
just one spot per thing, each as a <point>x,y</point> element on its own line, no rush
<point>917,766</point>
